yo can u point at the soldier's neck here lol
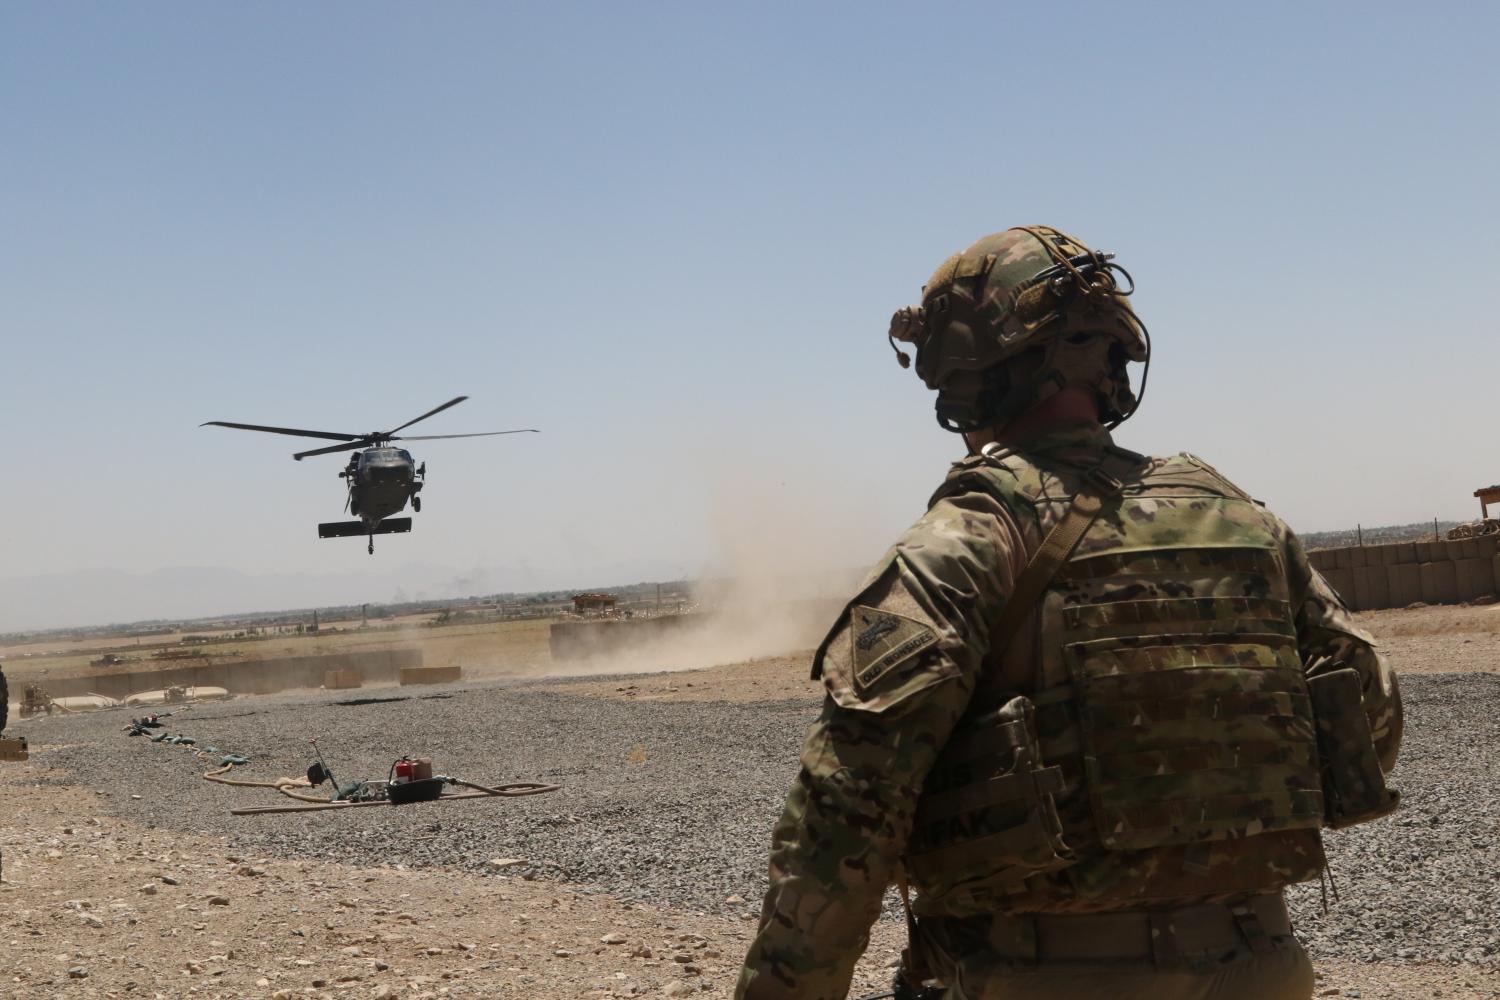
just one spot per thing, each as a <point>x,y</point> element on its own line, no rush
<point>1069,407</point>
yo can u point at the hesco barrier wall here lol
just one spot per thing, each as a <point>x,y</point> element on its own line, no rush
<point>1393,576</point>
<point>581,640</point>
<point>243,676</point>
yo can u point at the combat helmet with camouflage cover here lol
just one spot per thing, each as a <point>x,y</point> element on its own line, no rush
<point>1018,316</point>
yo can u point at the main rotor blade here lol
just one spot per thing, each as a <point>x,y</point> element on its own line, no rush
<point>452,402</point>
<point>484,434</point>
<point>284,430</point>
<point>353,446</point>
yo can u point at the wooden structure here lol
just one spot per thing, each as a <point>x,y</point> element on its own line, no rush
<point>1487,495</point>
<point>584,604</point>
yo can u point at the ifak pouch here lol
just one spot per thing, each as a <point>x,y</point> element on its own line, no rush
<point>1354,789</point>
<point>987,819</point>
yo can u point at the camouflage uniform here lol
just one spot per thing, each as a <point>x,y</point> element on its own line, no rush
<point>911,657</point>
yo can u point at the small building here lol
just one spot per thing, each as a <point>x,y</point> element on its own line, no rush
<point>595,604</point>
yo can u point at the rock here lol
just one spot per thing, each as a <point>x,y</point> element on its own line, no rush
<point>168,880</point>
<point>500,864</point>
<point>385,991</point>
<point>735,900</point>
<point>563,953</point>
<point>352,951</point>
<point>218,901</point>
<point>196,968</point>
<point>78,972</point>
<point>262,983</point>
<point>381,966</point>
<point>677,989</point>
<point>249,871</point>
<point>612,938</point>
<point>149,888</point>
<point>318,984</point>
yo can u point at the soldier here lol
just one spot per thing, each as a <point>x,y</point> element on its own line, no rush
<point>1094,707</point>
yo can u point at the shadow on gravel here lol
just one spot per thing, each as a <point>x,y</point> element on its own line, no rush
<point>356,702</point>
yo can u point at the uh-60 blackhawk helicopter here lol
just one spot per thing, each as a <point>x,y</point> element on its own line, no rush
<point>381,477</point>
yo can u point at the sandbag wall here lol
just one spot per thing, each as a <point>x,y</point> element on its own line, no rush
<point>1393,576</point>
<point>245,676</point>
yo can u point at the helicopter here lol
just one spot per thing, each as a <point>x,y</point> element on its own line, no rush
<point>381,478</point>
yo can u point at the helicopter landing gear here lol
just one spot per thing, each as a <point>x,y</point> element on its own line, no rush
<point>371,549</point>
<point>416,504</point>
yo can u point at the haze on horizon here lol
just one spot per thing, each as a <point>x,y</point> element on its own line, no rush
<point>671,236</point>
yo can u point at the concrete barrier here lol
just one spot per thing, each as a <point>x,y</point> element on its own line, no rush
<point>431,675</point>
<point>341,680</point>
<point>242,676</point>
<point>1395,575</point>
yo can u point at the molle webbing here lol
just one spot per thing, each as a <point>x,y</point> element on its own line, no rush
<point>1190,714</point>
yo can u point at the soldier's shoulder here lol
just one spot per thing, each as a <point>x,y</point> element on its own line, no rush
<point>1008,476</point>
<point>1190,468</point>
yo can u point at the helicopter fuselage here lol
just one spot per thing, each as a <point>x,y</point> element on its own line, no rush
<point>382,478</point>
<point>381,482</point>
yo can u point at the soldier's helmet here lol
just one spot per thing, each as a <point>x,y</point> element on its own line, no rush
<point>1018,316</point>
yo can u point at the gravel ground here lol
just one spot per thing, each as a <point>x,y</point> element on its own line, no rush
<point>672,803</point>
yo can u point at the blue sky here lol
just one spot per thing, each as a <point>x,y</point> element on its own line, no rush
<point>671,236</point>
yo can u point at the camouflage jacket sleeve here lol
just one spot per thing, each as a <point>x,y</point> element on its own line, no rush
<point>899,667</point>
<point>1326,632</point>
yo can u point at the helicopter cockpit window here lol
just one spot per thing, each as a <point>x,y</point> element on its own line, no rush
<point>404,454</point>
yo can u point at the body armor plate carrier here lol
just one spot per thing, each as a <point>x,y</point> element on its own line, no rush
<point>1170,707</point>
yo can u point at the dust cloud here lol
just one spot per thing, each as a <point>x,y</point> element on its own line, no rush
<point>786,563</point>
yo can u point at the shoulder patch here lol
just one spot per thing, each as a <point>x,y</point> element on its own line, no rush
<point>881,640</point>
